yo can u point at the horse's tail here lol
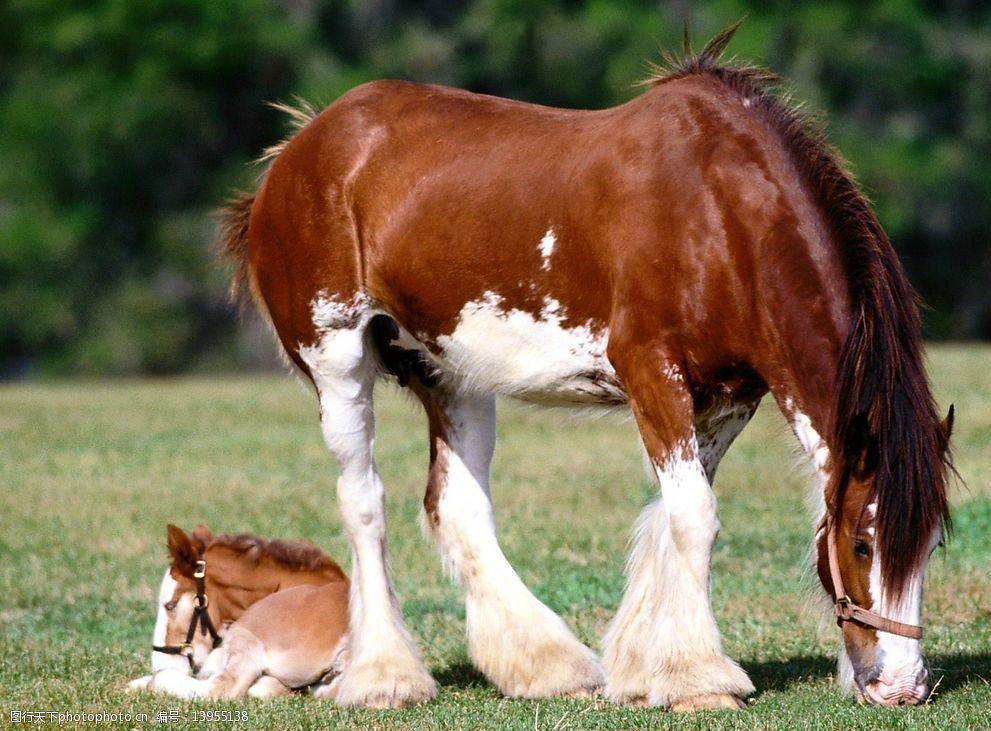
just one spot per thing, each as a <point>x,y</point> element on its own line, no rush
<point>232,246</point>
<point>232,241</point>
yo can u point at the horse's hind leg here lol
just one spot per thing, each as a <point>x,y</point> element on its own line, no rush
<point>384,668</point>
<point>663,647</point>
<point>518,643</point>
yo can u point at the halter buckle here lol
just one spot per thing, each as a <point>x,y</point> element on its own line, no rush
<point>186,650</point>
<point>842,608</point>
<point>200,569</point>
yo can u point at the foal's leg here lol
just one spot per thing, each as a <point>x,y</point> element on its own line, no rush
<point>385,668</point>
<point>522,646</point>
<point>182,685</point>
<point>243,666</point>
<point>268,687</point>
<point>663,647</point>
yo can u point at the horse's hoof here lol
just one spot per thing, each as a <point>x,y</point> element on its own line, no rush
<point>585,694</point>
<point>707,702</point>
<point>376,685</point>
<point>639,701</point>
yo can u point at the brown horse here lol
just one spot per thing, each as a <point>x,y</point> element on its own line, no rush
<point>681,255</point>
<point>246,589</point>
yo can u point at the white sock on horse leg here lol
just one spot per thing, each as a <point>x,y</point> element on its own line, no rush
<point>523,647</point>
<point>663,645</point>
<point>385,667</point>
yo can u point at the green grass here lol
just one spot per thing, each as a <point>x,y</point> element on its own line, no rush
<point>90,473</point>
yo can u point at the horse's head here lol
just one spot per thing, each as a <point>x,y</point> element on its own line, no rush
<point>178,601</point>
<point>875,577</point>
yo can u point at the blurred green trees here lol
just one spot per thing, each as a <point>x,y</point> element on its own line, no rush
<point>123,124</point>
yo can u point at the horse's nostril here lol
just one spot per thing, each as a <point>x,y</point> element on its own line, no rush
<point>880,693</point>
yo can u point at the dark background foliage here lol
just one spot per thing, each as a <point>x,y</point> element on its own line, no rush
<point>124,124</point>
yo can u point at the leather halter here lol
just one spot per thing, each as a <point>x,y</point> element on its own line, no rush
<point>201,617</point>
<point>846,610</point>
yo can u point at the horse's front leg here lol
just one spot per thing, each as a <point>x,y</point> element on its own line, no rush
<point>523,647</point>
<point>663,647</point>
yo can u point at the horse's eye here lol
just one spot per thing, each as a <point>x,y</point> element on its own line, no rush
<point>861,548</point>
<point>169,606</point>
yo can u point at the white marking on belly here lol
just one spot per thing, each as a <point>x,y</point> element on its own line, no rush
<point>546,247</point>
<point>511,352</point>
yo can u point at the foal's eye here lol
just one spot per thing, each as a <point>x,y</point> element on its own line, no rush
<point>169,606</point>
<point>861,548</point>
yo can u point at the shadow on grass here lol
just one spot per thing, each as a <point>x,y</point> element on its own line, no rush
<point>950,671</point>
<point>461,675</point>
<point>782,675</point>
<point>957,670</point>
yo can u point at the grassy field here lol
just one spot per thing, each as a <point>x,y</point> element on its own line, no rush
<point>90,473</point>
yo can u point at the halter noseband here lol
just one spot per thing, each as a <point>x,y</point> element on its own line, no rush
<point>846,610</point>
<point>201,617</point>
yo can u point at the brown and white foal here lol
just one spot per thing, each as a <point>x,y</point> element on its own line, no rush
<point>280,611</point>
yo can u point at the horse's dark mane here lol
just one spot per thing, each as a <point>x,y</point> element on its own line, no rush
<point>293,555</point>
<point>884,417</point>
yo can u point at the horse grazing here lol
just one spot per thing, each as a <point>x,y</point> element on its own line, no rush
<point>680,255</point>
<point>267,617</point>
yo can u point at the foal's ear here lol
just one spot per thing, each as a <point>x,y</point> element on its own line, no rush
<point>202,534</point>
<point>946,428</point>
<point>181,549</point>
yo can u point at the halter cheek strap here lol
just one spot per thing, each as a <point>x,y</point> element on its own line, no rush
<point>846,610</point>
<point>201,618</point>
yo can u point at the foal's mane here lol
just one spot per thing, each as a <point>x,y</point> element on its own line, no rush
<point>290,555</point>
<point>884,423</point>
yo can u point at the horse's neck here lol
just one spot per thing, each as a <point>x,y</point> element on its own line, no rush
<point>812,321</point>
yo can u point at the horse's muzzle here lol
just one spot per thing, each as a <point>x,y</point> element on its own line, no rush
<point>909,691</point>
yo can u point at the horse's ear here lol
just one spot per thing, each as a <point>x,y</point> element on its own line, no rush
<point>947,424</point>
<point>946,428</point>
<point>202,534</point>
<point>181,549</point>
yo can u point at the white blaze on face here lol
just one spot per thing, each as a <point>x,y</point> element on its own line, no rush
<point>159,660</point>
<point>546,248</point>
<point>900,658</point>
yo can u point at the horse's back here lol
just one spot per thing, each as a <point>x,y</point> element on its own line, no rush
<point>508,237</point>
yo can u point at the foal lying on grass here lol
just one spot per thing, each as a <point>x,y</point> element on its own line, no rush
<point>239,615</point>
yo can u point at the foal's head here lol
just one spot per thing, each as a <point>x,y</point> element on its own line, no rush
<point>177,598</point>
<point>880,565</point>
<point>239,571</point>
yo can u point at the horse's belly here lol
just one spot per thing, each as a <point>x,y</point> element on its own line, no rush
<point>537,358</point>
